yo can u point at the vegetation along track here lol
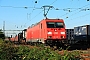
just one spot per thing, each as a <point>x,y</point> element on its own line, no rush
<point>23,51</point>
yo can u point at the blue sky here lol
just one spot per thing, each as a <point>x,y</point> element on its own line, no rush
<point>17,17</point>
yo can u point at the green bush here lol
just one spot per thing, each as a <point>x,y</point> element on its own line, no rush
<point>35,53</point>
<point>1,41</point>
<point>74,55</point>
<point>9,51</point>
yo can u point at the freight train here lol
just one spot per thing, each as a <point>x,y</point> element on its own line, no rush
<point>53,31</point>
<point>47,31</point>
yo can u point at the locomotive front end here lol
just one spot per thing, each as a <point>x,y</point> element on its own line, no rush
<point>56,31</point>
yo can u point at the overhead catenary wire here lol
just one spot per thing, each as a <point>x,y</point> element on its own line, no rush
<point>53,2</point>
<point>77,13</point>
<point>32,10</point>
<point>40,12</point>
<point>26,7</point>
<point>84,8</point>
<point>37,15</point>
<point>79,17</point>
<point>68,9</point>
<point>43,10</point>
<point>75,18</point>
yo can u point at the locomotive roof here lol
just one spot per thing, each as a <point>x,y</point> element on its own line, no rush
<point>52,19</point>
<point>42,20</point>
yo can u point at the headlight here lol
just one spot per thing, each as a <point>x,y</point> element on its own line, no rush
<point>49,36</point>
<point>62,32</point>
<point>49,32</point>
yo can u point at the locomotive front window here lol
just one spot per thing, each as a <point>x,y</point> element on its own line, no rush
<point>55,25</point>
<point>50,24</point>
<point>59,25</point>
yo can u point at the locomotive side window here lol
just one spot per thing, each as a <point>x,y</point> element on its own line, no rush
<point>55,25</point>
<point>41,25</point>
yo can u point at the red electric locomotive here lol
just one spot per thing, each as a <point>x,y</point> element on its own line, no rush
<point>47,31</point>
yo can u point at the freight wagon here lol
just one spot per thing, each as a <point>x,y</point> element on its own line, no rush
<point>20,37</point>
<point>70,36</point>
<point>82,33</point>
<point>47,31</point>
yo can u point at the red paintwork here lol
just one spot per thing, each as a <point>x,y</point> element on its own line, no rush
<point>37,33</point>
<point>16,38</point>
<point>13,39</point>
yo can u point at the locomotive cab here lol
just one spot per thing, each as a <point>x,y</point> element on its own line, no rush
<point>56,30</point>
